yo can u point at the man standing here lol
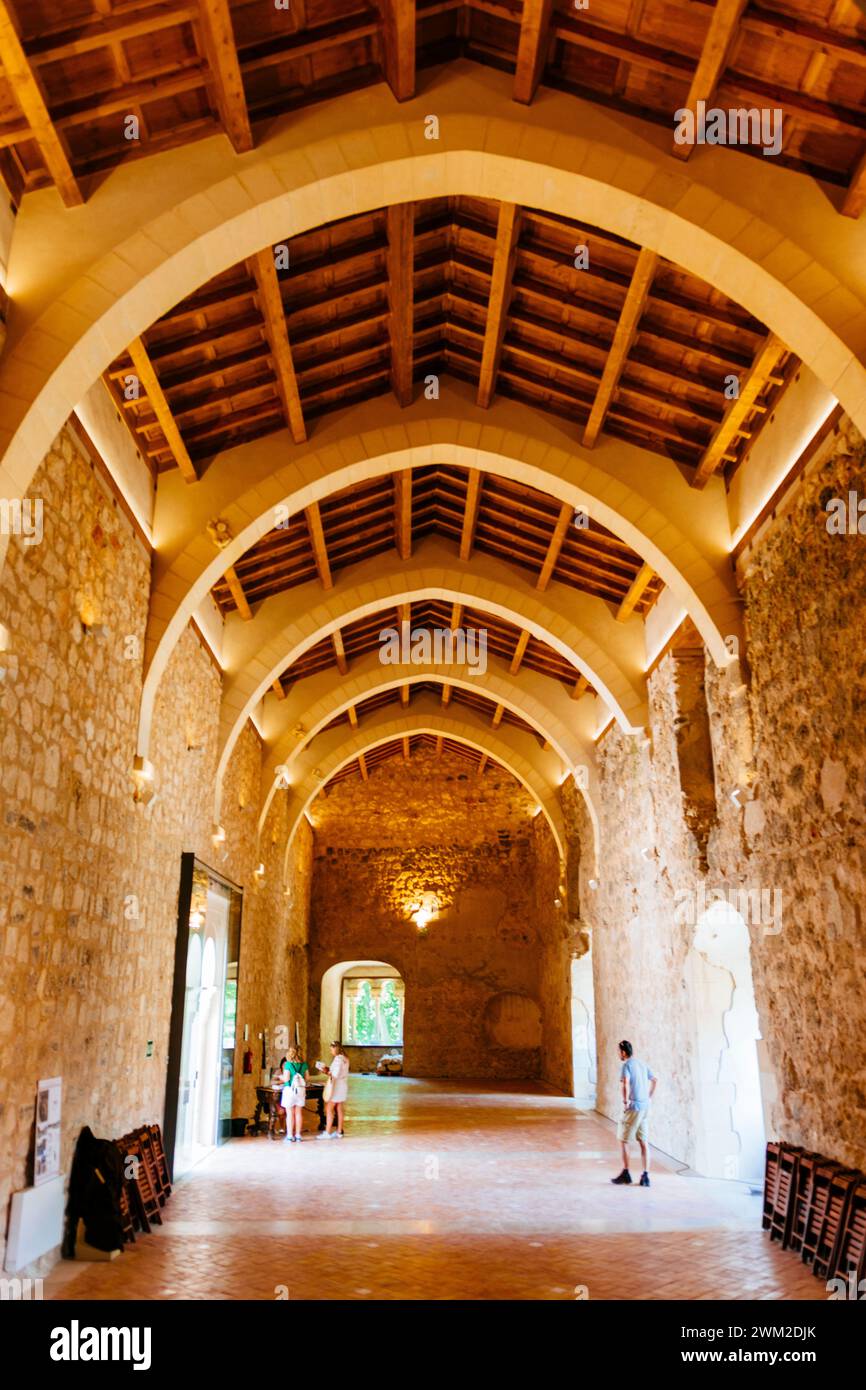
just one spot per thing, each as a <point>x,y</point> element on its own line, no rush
<point>638,1088</point>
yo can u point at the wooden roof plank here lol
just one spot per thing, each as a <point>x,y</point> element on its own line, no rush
<point>317,540</point>
<point>556,542</point>
<point>635,593</point>
<point>222,58</point>
<point>470,514</point>
<point>519,651</point>
<point>532,48</point>
<point>762,369</point>
<point>403,512</point>
<point>719,41</point>
<point>271,306</point>
<point>401,228</point>
<point>623,338</point>
<point>237,592</point>
<point>398,46</point>
<point>147,376</point>
<point>504,258</point>
<point>30,96</point>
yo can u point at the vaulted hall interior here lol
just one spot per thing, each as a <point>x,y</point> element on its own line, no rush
<point>432,574</point>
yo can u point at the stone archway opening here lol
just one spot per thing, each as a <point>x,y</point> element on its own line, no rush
<point>363,1003</point>
<point>730,1131</point>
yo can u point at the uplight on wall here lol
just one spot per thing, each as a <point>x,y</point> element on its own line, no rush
<point>426,911</point>
<point>142,782</point>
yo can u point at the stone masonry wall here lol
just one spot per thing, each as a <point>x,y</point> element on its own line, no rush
<point>785,841</point>
<point>473,982</point>
<point>89,912</point>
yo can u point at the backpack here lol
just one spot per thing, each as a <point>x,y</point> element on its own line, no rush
<point>298,1084</point>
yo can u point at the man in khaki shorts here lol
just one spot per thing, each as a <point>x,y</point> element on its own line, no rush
<point>638,1088</point>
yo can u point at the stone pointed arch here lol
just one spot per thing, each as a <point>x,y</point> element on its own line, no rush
<point>116,282</point>
<point>541,702</point>
<point>581,628</point>
<point>517,751</point>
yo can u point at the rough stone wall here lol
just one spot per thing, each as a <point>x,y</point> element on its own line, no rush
<point>788,755</point>
<point>805,833</point>
<point>89,913</point>
<point>473,980</point>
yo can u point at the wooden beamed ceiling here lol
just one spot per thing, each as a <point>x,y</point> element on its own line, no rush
<point>528,529</point>
<point>404,748</point>
<point>622,342</point>
<point>74,73</point>
<point>503,641</point>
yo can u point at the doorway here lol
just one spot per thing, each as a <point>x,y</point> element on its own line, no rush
<point>363,1004</point>
<point>200,1075</point>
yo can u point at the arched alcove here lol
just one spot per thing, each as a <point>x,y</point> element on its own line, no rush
<point>343,995</point>
<point>730,1137</point>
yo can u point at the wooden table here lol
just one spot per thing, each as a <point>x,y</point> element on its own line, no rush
<point>268,1099</point>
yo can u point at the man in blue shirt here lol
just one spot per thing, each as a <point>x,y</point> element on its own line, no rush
<point>638,1088</point>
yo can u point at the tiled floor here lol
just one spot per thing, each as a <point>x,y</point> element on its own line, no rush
<point>446,1191</point>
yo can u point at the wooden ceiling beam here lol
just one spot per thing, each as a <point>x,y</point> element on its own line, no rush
<point>439,741</point>
<point>401,259</point>
<point>403,513</point>
<point>718,44</point>
<point>398,46</point>
<point>30,96</point>
<point>407,749</point>
<point>532,48</point>
<point>237,592</point>
<point>148,379</point>
<point>855,198</point>
<point>271,307</point>
<point>497,715</point>
<point>623,338</point>
<point>277,688</point>
<point>317,541</point>
<point>566,512</point>
<point>470,513</point>
<point>519,650</point>
<point>635,593</point>
<point>504,258</point>
<point>221,52</point>
<point>446,695</point>
<point>340,652</point>
<point>580,687</point>
<point>763,368</point>
<point>405,692</point>
<point>362,768</point>
<point>482,763</point>
<point>353,716</point>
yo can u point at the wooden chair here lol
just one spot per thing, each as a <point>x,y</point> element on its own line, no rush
<point>804,1188</point>
<point>126,1216</point>
<point>771,1172</point>
<point>142,1194</point>
<point>782,1213</point>
<point>849,1257</point>
<point>145,1140</point>
<point>822,1236</point>
<point>160,1156</point>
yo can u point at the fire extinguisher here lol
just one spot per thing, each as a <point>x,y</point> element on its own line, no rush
<point>248,1062</point>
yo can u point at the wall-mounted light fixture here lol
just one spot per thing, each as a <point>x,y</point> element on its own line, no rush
<point>142,781</point>
<point>218,836</point>
<point>425,911</point>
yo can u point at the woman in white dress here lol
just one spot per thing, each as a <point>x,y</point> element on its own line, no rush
<point>338,1073</point>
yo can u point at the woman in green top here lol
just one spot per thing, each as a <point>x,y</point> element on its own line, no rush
<point>294,1095</point>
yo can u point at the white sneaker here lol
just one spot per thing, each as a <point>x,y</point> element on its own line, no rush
<point>323,1134</point>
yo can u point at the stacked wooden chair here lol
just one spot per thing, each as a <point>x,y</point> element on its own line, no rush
<point>147,1183</point>
<point>817,1207</point>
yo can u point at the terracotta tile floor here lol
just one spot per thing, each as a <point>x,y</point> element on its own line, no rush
<point>446,1191</point>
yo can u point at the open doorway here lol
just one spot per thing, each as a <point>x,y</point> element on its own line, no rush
<point>204,1011</point>
<point>363,1003</point>
<point>730,1136</point>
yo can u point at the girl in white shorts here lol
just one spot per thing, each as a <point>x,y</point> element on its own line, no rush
<point>338,1072</point>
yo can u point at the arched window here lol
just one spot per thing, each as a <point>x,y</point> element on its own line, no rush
<point>372,1011</point>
